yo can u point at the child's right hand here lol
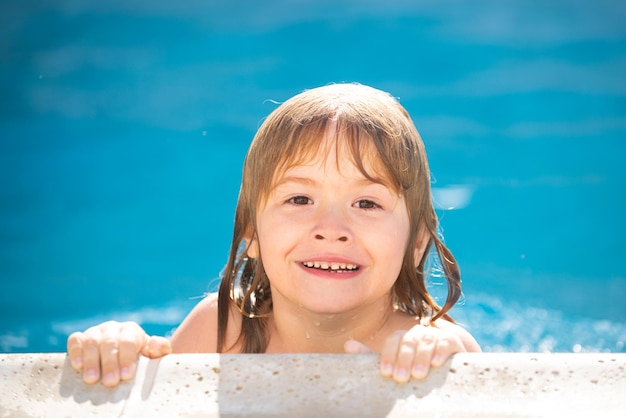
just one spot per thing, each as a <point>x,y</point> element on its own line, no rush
<point>109,351</point>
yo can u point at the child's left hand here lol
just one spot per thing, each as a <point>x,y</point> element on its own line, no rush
<point>411,354</point>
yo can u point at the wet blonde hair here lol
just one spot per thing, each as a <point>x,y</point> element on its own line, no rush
<point>378,133</point>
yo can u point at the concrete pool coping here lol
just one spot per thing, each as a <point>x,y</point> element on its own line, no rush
<point>314,385</point>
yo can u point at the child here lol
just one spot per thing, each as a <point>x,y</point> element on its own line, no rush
<point>332,230</point>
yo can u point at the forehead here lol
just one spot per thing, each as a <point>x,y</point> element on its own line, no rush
<point>353,157</point>
<point>320,170</point>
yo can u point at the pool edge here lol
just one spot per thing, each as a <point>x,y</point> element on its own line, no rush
<point>468,385</point>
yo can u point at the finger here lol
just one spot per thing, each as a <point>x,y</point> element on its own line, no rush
<point>91,355</point>
<point>426,346</point>
<point>130,343</point>
<point>389,352</point>
<point>75,350</point>
<point>356,347</point>
<point>446,348</point>
<point>109,354</point>
<point>156,347</point>
<point>405,359</point>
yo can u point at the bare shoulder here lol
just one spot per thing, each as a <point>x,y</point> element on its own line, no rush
<point>469,342</point>
<point>198,331</point>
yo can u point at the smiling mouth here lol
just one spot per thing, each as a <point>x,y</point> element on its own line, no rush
<point>331,267</point>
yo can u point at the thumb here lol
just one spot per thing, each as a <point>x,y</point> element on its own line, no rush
<point>355,347</point>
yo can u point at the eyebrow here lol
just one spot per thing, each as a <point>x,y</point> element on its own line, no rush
<point>311,182</point>
<point>295,179</point>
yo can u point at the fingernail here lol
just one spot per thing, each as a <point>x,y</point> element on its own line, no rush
<point>437,360</point>
<point>387,370</point>
<point>126,373</point>
<point>77,363</point>
<point>109,378</point>
<point>418,370</point>
<point>402,374</point>
<point>91,375</point>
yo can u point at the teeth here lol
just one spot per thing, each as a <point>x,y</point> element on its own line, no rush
<point>323,265</point>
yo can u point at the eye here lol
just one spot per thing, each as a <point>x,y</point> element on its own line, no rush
<point>366,204</point>
<point>300,200</point>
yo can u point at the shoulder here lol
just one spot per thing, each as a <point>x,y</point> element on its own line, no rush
<point>198,331</point>
<point>469,342</point>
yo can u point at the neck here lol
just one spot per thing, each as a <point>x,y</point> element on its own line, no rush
<point>293,329</point>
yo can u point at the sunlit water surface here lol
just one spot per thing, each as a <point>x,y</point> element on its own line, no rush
<point>123,127</point>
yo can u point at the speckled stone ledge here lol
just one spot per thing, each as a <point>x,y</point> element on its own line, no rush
<point>312,385</point>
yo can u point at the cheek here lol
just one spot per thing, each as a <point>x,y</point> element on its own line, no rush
<point>276,237</point>
<point>275,231</point>
<point>394,244</point>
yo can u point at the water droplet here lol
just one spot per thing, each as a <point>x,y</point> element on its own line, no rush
<point>317,323</point>
<point>308,335</point>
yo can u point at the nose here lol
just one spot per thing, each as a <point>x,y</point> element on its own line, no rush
<point>332,224</point>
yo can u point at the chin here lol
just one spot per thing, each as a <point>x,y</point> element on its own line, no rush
<point>326,307</point>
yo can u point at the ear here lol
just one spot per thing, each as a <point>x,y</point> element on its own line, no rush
<point>423,237</point>
<point>252,244</point>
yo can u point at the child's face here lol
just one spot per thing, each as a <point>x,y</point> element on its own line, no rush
<point>331,240</point>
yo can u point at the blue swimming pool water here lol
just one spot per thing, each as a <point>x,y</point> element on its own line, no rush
<point>123,127</point>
